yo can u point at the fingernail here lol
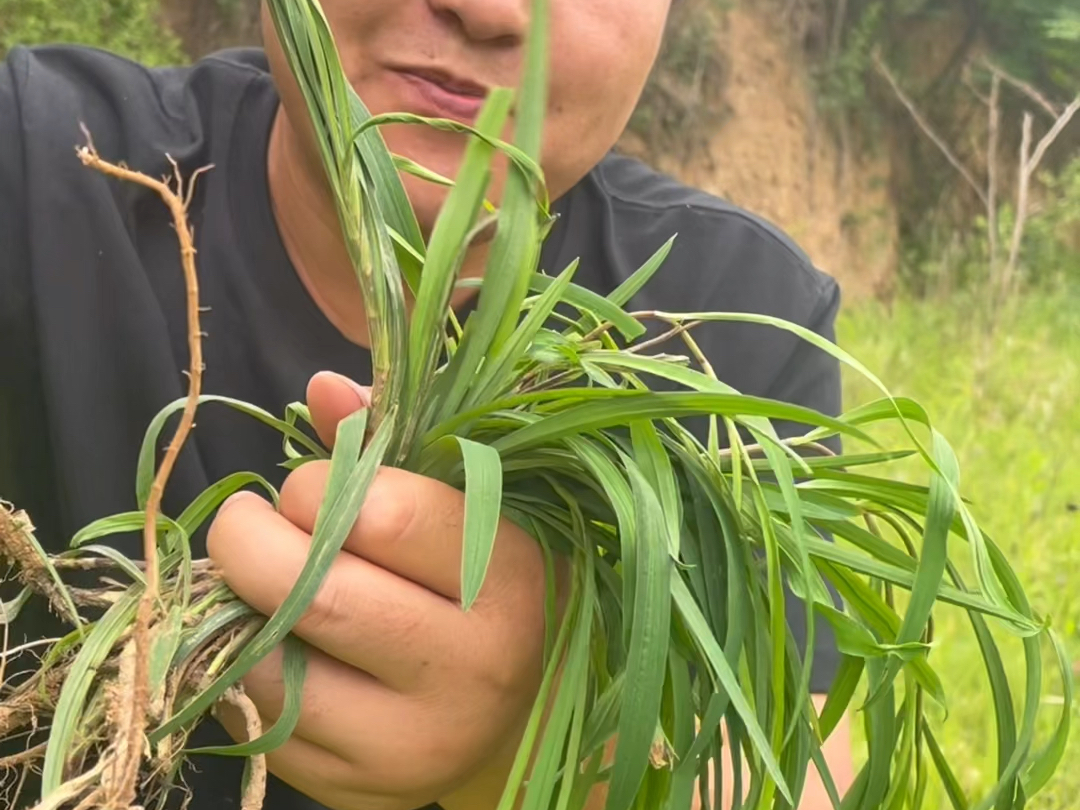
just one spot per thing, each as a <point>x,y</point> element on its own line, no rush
<point>362,391</point>
<point>236,498</point>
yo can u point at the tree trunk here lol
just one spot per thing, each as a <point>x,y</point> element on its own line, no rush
<point>205,26</point>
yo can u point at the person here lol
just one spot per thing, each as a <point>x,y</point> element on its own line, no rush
<point>408,701</point>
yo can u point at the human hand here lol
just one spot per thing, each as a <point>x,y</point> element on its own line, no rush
<point>408,700</point>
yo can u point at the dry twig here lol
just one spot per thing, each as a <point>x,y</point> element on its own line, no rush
<point>123,759</point>
<point>1029,165</point>
<point>924,125</point>
<point>1025,88</point>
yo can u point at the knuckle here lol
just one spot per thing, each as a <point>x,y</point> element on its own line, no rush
<point>329,608</point>
<point>506,668</point>
<point>390,509</point>
<point>303,488</point>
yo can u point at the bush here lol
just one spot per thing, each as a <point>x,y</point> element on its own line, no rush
<point>132,28</point>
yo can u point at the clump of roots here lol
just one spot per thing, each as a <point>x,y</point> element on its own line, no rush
<point>194,637</point>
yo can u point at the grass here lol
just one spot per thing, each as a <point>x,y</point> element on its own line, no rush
<point>1009,407</point>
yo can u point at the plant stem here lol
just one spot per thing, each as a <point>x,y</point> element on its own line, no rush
<point>128,744</point>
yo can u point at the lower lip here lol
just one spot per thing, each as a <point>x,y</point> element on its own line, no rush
<point>429,99</point>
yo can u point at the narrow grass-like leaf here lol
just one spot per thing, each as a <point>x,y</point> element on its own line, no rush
<point>515,248</point>
<point>647,652</point>
<point>656,466</point>
<point>483,499</point>
<point>99,643</point>
<point>934,557</point>
<point>293,673</point>
<point>118,524</point>
<point>145,470</point>
<point>1045,763</point>
<point>210,499</point>
<point>623,407</point>
<point>622,294</point>
<point>495,375</point>
<point>516,777</point>
<point>207,628</point>
<point>847,678</point>
<point>573,680</point>
<point>166,640</point>
<point>445,250</point>
<point>952,785</point>
<point>10,610</point>
<point>697,625</point>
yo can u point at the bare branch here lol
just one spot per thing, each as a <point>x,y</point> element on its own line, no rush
<point>837,35</point>
<point>1025,88</point>
<point>929,130</point>
<point>992,149</point>
<point>1052,135</point>
<point>1021,208</point>
<point>1029,164</point>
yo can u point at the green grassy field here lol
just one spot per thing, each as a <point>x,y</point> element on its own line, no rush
<point>1009,406</point>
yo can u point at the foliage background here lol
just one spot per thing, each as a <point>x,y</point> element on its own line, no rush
<point>131,27</point>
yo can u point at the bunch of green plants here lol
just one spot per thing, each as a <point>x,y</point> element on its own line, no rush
<point>674,640</point>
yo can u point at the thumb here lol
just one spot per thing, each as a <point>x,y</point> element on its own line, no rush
<point>331,397</point>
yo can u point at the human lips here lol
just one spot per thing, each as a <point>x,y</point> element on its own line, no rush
<point>439,94</point>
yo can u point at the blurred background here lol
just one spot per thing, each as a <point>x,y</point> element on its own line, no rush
<point>924,152</point>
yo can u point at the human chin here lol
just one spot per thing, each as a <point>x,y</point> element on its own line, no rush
<point>439,152</point>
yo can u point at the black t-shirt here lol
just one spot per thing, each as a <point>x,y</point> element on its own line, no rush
<point>92,307</point>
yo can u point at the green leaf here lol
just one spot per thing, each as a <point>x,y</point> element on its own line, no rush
<point>699,628</point>
<point>496,374</point>
<point>166,640</point>
<point>1045,763</point>
<point>647,653</point>
<point>932,562</point>
<point>622,294</point>
<point>572,685</point>
<point>515,249</point>
<point>293,673</point>
<point>952,785</point>
<point>853,639</point>
<point>10,610</point>
<point>145,471</point>
<point>448,242</point>
<point>99,643</point>
<point>656,466</point>
<point>623,407</point>
<point>483,500</point>
<point>119,524</point>
<point>213,496</point>
<point>843,688</point>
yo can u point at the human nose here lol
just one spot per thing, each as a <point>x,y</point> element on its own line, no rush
<point>503,21</point>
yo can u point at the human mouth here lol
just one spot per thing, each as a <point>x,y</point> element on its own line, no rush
<point>437,94</point>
